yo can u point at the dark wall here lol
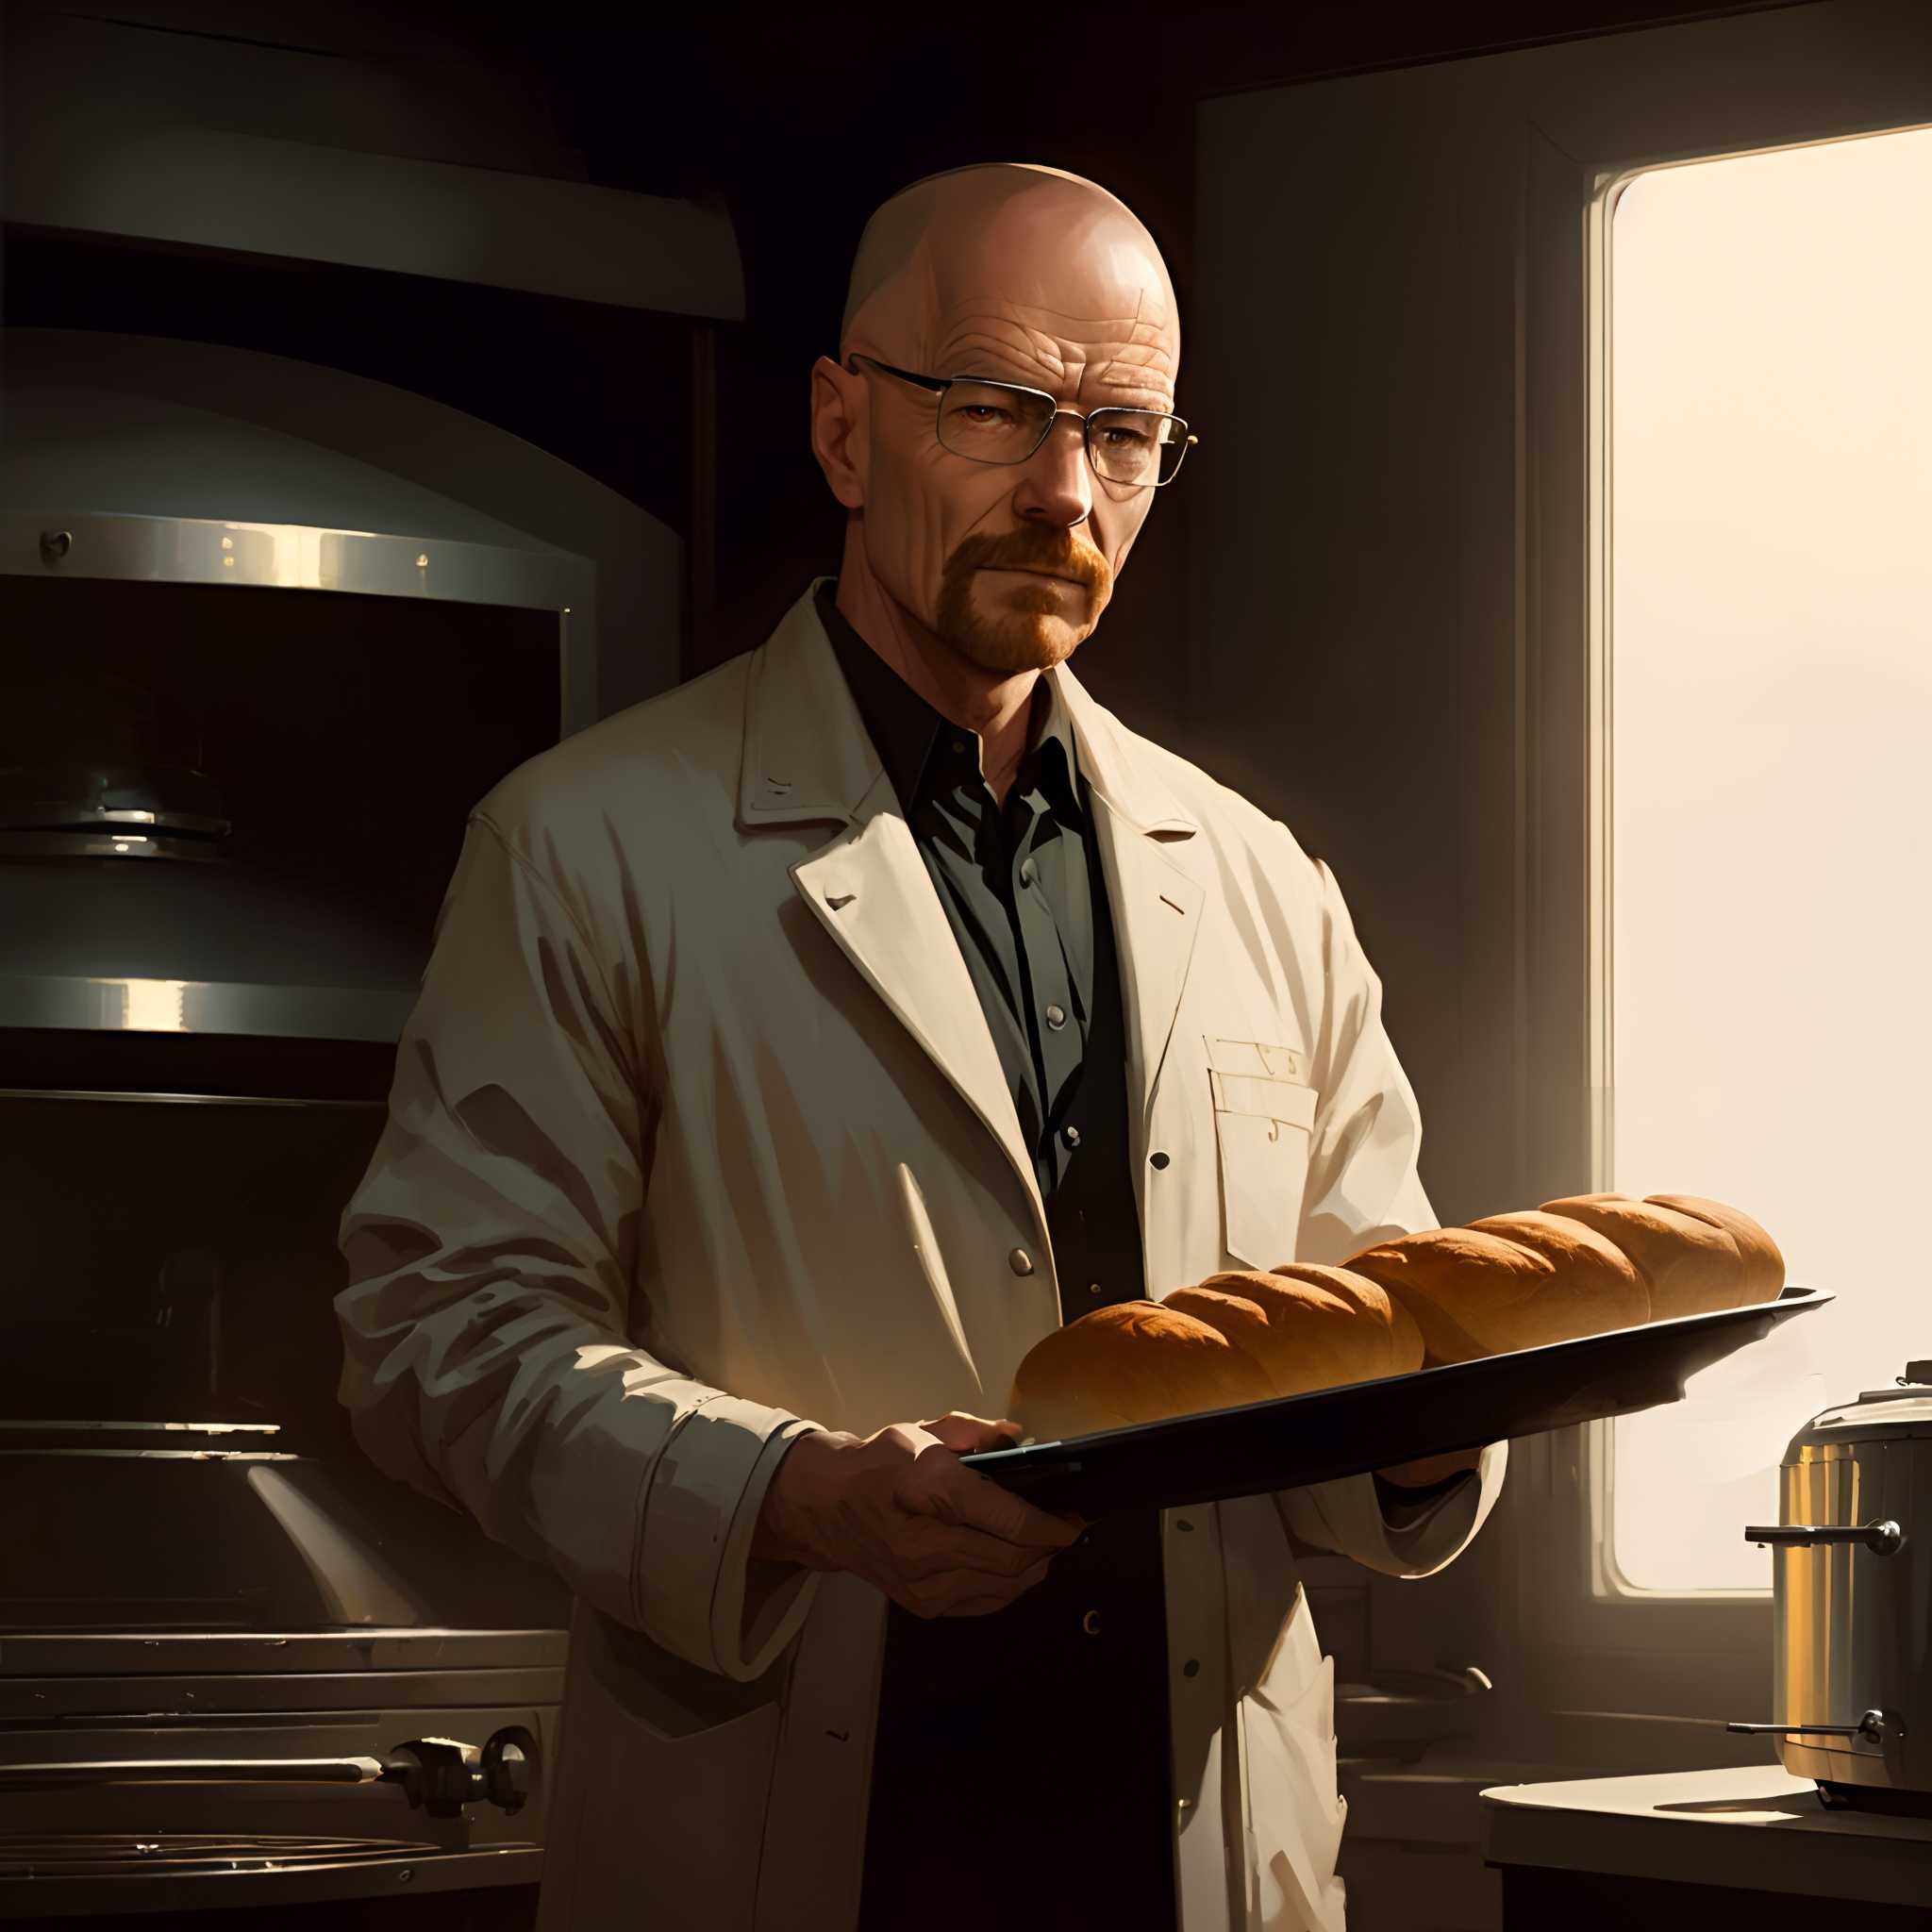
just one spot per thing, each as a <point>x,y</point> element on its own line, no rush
<point>804,131</point>
<point>801,125</point>
<point>804,125</point>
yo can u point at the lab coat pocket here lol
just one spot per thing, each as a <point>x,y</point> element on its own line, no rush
<point>681,1759</point>
<point>1261,1130</point>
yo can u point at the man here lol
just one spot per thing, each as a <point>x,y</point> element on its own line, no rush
<point>798,1049</point>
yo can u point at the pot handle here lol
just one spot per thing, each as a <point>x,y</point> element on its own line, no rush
<point>1874,1727</point>
<point>1884,1539</point>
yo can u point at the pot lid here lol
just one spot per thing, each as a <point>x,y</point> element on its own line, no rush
<point>1902,1411</point>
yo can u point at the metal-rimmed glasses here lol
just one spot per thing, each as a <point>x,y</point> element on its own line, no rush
<point>990,421</point>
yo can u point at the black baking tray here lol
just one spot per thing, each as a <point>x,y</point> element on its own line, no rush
<point>1295,1440</point>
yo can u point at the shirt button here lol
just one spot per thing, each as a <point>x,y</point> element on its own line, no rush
<point>1072,1135</point>
<point>1156,1159</point>
<point>1094,1287</point>
<point>1020,1261</point>
<point>1055,1016</point>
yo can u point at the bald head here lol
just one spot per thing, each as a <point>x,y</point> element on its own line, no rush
<point>1010,230</point>
<point>993,567</point>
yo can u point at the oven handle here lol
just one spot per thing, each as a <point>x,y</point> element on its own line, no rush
<point>1884,1539</point>
<point>437,1775</point>
<point>197,1770</point>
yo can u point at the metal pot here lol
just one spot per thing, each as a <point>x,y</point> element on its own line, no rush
<point>1852,1671</point>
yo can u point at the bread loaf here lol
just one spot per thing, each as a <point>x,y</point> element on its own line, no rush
<point>1235,1338</point>
<point>1134,1362</point>
<point>1310,1326</point>
<point>1508,1281</point>
<point>1580,1265</point>
<point>1690,1265</point>
<point>1764,1266</point>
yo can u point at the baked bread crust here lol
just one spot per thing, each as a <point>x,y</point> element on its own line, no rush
<point>1505,1282</point>
<point>1688,1265</point>
<point>1137,1361</point>
<point>1764,1265</point>
<point>1319,1328</point>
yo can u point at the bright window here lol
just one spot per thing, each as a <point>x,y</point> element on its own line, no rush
<point>1769,726</point>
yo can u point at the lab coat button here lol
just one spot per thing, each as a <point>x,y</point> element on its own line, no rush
<point>1091,1622</point>
<point>1020,1261</point>
<point>1073,1136</point>
<point>1094,1287</point>
<point>1156,1159</point>
<point>1056,1017</point>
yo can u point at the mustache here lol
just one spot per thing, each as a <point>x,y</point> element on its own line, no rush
<point>1052,553</point>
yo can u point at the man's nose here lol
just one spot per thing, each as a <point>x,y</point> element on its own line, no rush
<point>1059,471</point>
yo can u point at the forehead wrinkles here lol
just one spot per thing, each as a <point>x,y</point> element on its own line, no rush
<point>1116,353</point>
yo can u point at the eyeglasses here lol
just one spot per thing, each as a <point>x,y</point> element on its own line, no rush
<point>1006,422</point>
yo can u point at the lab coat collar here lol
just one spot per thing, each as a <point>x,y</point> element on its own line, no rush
<point>807,756</point>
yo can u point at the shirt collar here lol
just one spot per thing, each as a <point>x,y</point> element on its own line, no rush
<point>906,730</point>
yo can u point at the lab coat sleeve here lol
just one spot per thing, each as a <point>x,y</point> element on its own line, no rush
<point>1363,1187</point>
<point>491,1246</point>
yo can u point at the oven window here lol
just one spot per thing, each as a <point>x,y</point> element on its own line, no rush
<point>176,1261</point>
<point>1768,719</point>
<point>348,736</point>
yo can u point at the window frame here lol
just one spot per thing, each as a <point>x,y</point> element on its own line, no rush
<point>1610,128</point>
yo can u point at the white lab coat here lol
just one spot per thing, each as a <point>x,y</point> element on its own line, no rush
<point>698,1140</point>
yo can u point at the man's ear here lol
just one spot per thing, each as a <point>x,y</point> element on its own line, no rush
<point>838,429</point>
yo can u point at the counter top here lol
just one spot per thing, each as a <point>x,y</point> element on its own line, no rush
<point>1755,1828</point>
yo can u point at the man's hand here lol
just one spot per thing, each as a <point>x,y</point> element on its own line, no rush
<point>1430,1469</point>
<point>896,1508</point>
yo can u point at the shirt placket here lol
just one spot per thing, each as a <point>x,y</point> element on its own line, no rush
<point>1056,1022</point>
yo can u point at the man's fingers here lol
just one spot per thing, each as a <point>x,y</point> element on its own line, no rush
<point>965,1592</point>
<point>961,1495</point>
<point>968,1435</point>
<point>899,1509</point>
<point>930,1548</point>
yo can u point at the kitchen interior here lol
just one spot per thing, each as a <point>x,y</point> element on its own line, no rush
<point>385,395</point>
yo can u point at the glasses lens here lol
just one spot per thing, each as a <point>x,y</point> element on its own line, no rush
<point>1130,446</point>
<point>993,426</point>
<point>1004,425</point>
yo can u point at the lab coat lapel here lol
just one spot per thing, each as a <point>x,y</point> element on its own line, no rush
<point>871,891</point>
<point>1157,905</point>
<point>807,757</point>
<point>1157,913</point>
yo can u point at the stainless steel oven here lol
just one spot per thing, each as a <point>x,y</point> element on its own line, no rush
<point>237,1666</point>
